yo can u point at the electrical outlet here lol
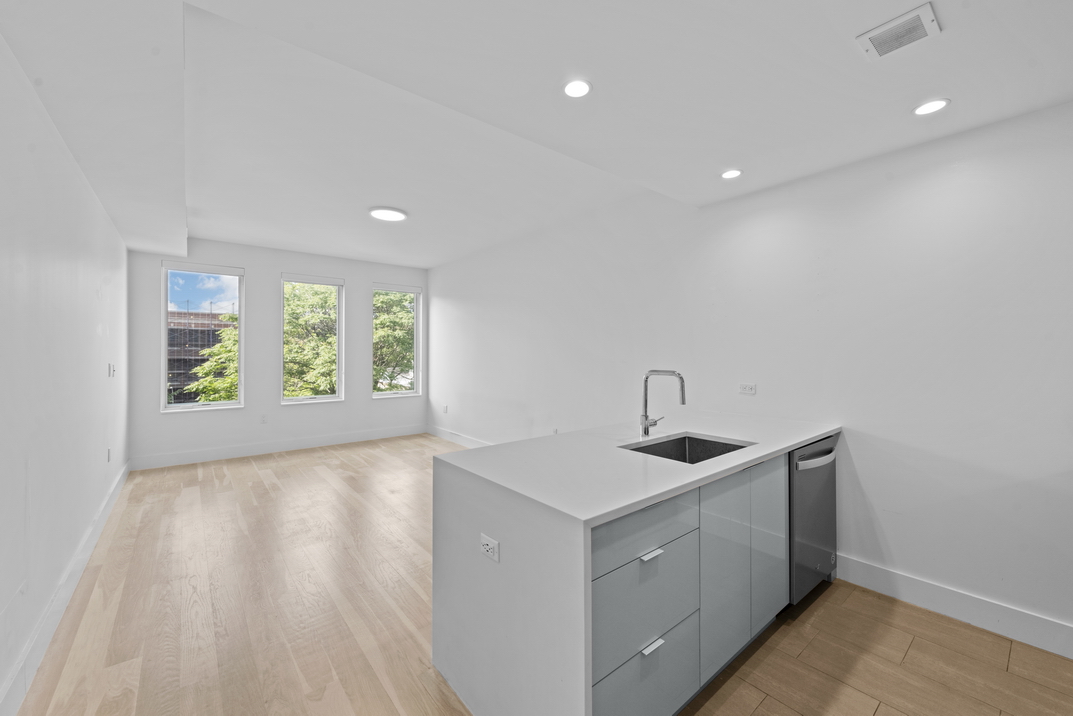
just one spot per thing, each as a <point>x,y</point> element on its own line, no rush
<point>489,547</point>
<point>109,454</point>
<point>264,417</point>
<point>747,388</point>
<point>445,408</point>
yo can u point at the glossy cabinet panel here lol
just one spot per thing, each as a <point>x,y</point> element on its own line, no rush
<point>633,605</point>
<point>744,559</point>
<point>722,582</point>
<point>625,539</point>
<point>724,570</point>
<point>770,529</point>
<point>658,684</point>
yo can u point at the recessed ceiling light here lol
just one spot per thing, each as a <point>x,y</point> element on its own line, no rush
<point>386,213</point>
<point>933,106</point>
<point>732,173</point>
<point>577,88</point>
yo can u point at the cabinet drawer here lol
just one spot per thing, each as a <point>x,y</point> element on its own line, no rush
<point>623,540</point>
<point>633,605</point>
<point>657,684</point>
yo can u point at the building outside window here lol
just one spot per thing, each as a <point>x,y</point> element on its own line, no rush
<point>202,336</point>
<point>396,350</point>
<point>312,338</point>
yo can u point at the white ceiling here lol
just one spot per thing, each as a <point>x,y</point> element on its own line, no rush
<point>300,116</point>
<point>288,149</point>
<point>111,77</point>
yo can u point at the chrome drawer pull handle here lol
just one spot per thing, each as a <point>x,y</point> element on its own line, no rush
<point>652,647</point>
<point>651,555</point>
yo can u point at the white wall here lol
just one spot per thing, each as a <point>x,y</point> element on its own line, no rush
<point>555,331</point>
<point>921,299</point>
<point>62,321</point>
<point>181,437</point>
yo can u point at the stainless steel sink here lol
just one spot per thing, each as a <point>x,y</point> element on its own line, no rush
<point>687,447</point>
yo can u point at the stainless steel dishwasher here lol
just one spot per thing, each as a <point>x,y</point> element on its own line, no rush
<point>813,536</point>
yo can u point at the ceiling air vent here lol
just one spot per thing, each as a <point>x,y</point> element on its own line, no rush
<point>911,27</point>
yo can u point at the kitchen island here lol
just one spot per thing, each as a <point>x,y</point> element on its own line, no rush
<point>550,555</point>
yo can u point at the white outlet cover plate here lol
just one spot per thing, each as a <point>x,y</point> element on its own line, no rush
<point>489,547</point>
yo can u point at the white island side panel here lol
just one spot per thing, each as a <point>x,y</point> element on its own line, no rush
<point>511,638</point>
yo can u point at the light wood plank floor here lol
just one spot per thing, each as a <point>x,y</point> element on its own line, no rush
<point>300,583</point>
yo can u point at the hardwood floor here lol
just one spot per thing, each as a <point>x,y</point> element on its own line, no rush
<point>291,583</point>
<point>849,651</point>
<point>300,583</point>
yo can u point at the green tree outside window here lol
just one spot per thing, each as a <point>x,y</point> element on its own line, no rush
<point>393,341</point>
<point>218,376</point>
<point>310,335</point>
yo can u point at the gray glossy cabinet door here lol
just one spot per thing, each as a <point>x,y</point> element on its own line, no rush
<point>633,605</point>
<point>770,545</point>
<point>656,684</point>
<point>725,582</point>
<point>620,541</point>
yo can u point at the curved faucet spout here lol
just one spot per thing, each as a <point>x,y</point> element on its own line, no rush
<point>647,422</point>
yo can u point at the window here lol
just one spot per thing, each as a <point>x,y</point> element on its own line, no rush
<point>395,341</point>
<point>312,340</point>
<point>202,336</point>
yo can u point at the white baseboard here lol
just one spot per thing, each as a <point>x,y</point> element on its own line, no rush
<point>142,462</point>
<point>459,438</point>
<point>14,691</point>
<point>1012,622</point>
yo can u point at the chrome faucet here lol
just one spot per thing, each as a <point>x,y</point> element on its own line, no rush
<point>647,422</point>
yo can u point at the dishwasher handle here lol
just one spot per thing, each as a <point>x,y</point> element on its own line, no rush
<point>817,462</point>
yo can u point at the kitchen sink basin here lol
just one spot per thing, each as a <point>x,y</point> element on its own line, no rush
<point>686,448</point>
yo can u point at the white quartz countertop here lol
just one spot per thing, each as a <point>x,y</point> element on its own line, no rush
<point>587,475</point>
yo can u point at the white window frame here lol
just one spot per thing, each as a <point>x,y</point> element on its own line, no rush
<point>340,285</point>
<point>419,333</point>
<point>166,266</point>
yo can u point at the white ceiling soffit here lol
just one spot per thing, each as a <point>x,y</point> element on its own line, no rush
<point>287,149</point>
<point>110,76</point>
<point>683,90</point>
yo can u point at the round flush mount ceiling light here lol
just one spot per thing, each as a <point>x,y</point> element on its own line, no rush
<point>933,106</point>
<point>577,88</point>
<point>386,213</point>
<point>731,173</point>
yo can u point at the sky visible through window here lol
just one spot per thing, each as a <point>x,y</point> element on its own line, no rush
<point>190,291</point>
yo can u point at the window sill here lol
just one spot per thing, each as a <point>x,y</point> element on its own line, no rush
<point>399,394</point>
<point>311,401</point>
<point>172,410</point>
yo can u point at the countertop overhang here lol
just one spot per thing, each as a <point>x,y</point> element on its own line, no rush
<point>588,475</point>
